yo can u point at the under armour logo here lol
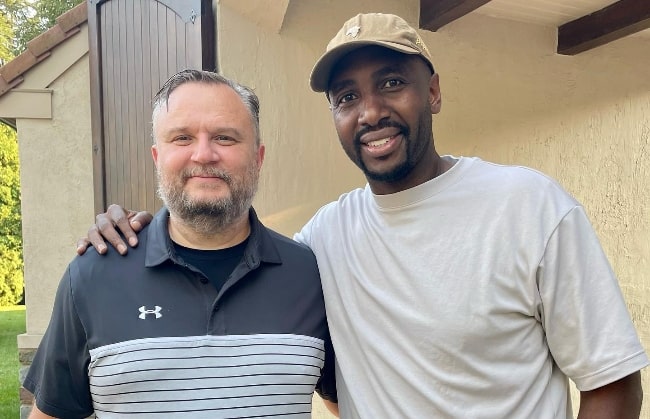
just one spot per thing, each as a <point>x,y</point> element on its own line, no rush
<point>144,312</point>
<point>353,31</point>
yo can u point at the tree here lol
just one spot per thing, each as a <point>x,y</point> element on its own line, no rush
<point>11,259</point>
<point>14,15</point>
<point>29,18</point>
<point>6,34</point>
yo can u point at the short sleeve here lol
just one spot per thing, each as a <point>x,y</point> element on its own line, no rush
<point>58,376</point>
<point>588,328</point>
<point>304,235</point>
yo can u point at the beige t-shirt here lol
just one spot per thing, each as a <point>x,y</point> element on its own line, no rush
<point>473,295</point>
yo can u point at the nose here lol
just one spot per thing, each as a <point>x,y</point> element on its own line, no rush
<point>205,151</point>
<point>372,109</point>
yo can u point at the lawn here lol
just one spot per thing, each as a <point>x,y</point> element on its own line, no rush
<point>12,323</point>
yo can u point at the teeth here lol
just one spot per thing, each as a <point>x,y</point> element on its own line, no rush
<point>378,143</point>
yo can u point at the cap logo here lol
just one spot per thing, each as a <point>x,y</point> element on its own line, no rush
<point>353,31</point>
<point>421,44</point>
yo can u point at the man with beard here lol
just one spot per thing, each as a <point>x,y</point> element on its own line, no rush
<point>213,315</point>
<point>455,288</point>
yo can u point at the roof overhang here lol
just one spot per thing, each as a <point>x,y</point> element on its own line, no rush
<point>599,27</point>
<point>32,96</point>
<point>24,81</point>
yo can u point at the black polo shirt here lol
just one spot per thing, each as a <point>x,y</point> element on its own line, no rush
<point>149,334</point>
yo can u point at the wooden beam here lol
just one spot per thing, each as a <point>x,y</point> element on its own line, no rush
<point>613,22</point>
<point>27,103</point>
<point>95,60</point>
<point>434,14</point>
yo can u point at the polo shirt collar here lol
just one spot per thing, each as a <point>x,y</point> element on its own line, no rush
<point>160,248</point>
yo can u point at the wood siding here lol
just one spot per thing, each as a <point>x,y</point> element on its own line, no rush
<point>135,46</point>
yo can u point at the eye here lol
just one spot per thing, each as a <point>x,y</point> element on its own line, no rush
<point>392,83</point>
<point>345,100</point>
<point>182,139</point>
<point>224,140</point>
<point>347,97</point>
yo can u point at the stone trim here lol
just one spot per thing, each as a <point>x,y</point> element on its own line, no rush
<point>25,357</point>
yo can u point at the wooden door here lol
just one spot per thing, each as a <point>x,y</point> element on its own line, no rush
<point>135,46</point>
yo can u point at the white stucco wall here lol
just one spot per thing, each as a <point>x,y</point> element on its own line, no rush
<point>507,97</point>
<point>57,192</point>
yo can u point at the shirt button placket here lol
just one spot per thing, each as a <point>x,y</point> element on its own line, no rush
<point>217,325</point>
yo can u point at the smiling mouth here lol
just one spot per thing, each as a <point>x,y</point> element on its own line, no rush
<point>378,143</point>
<point>381,142</point>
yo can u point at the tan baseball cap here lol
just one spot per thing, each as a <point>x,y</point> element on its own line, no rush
<point>365,29</point>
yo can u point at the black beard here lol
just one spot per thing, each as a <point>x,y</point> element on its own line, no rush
<point>399,172</point>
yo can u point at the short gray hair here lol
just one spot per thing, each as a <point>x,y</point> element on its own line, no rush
<point>248,97</point>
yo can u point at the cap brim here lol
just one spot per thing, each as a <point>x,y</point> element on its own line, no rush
<point>320,74</point>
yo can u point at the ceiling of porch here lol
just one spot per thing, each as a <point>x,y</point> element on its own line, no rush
<point>582,24</point>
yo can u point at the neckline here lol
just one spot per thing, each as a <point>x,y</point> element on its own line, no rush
<point>424,190</point>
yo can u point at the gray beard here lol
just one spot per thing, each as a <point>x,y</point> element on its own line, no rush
<point>209,217</point>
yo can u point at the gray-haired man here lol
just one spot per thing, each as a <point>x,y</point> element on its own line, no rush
<point>213,315</point>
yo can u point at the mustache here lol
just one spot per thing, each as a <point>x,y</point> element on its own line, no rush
<point>208,171</point>
<point>381,125</point>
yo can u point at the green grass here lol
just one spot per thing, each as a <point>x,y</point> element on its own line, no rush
<point>12,323</point>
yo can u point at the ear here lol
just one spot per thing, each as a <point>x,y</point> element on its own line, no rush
<point>435,99</point>
<point>154,154</point>
<point>261,150</point>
